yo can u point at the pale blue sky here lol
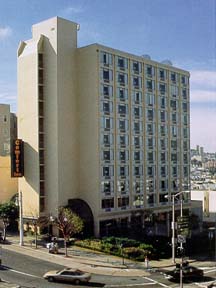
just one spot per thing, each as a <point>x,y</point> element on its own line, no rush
<point>183,31</point>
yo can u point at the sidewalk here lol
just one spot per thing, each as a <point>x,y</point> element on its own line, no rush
<point>91,261</point>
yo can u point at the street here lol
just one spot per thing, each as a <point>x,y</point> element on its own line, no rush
<point>28,271</point>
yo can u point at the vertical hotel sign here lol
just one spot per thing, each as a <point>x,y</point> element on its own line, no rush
<point>17,158</point>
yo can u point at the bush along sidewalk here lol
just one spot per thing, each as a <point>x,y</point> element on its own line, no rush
<point>128,248</point>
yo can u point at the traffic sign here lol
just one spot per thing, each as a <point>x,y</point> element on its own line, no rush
<point>181,239</point>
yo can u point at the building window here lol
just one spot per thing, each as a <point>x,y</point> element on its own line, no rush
<point>123,171</point>
<point>174,118</point>
<point>183,80</point>
<point>122,94</point>
<point>123,125</point>
<point>163,171</point>
<point>137,82</point>
<point>174,157</point>
<point>150,99</point>
<point>162,88</point>
<point>150,114</point>
<point>174,171</point>
<point>137,156</point>
<point>136,67</point>
<point>149,85</point>
<point>123,201</point>
<point>137,127</point>
<point>162,102</point>
<point>173,105</point>
<point>107,75</point>
<point>174,91</point>
<point>122,78</point>
<point>162,116</point>
<point>107,91</point>
<point>150,199</point>
<point>107,155</point>
<point>150,129</point>
<point>184,107</point>
<point>150,157</point>
<point>107,187</point>
<point>123,155</point>
<point>184,93</point>
<point>138,201</point>
<point>108,203</point>
<point>107,171</point>
<point>163,130</point>
<point>122,186</point>
<point>122,109</point>
<point>123,140</point>
<point>173,77</point>
<point>174,144</point>
<point>162,74</point>
<point>106,58</point>
<point>137,97</point>
<point>163,144</point>
<point>122,63</point>
<point>137,141</point>
<point>137,112</point>
<point>107,139</point>
<point>174,131</point>
<point>149,70</point>
<point>138,170</point>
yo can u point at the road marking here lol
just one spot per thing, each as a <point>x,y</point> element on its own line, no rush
<point>129,285</point>
<point>155,282</point>
<point>213,270</point>
<point>23,273</point>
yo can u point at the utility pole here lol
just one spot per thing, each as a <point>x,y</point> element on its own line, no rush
<point>21,218</point>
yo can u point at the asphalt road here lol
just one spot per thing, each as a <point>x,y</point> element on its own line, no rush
<point>28,271</point>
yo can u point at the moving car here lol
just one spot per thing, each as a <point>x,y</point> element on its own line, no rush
<point>188,272</point>
<point>68,275</point>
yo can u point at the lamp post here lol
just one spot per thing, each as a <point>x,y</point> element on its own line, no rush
<point>34,222</point>
<point>21,218</point>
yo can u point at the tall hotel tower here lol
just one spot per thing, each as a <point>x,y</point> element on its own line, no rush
<point>106,132</point>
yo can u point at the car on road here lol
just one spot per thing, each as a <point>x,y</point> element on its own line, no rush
<point>68,275</point>
<point>188,272</point>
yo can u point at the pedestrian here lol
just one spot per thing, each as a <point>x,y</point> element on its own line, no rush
<point>146,262</point>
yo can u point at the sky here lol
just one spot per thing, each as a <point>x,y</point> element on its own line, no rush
<point>183,31</point>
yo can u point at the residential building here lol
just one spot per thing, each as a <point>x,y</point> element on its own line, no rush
<point>106,132</point>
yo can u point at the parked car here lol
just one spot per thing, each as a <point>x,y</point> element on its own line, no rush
<point>188,272</point>
<point>68,275</point>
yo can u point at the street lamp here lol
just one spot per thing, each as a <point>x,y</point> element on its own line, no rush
<point>173,231</point>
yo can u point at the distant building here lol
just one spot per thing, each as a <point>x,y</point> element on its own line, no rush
<point>106,132</point>
<point>8,131</point>
<point>208,199</point>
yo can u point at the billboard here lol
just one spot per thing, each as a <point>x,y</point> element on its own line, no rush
<point>17,158</point>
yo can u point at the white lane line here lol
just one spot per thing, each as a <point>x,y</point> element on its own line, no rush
<point>156,282</point>
<point>209,271</point>
<point>23,273</point>
<point>129,285</point>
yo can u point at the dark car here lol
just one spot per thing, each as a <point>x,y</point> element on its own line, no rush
<point>188,272</point>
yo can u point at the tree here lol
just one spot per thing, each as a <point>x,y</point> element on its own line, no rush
<point>8,212</point>
<point>69,224</point>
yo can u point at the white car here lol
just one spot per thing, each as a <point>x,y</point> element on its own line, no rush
<point>68,275</point>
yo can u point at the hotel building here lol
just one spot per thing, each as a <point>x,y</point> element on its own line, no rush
<point>106,132</point>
